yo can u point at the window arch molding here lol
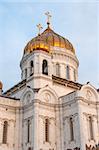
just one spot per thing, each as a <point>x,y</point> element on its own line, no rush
<point>25,73</point>
<point>71,129</point>
<point>28,130</point>
<point>31,67</point>
<point>47,123</point>
<point>45,67</point>
<point>5,131</point>
<point>57,69</point>
<point>91,127</point>
<point>67,72</point>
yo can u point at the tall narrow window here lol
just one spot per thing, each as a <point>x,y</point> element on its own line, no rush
<point>91,128</point>
<point>74,75</point>
<point>57,70</point>
<point>5,128</point>
<point>28,131</point>
<point>31,68</point>
<point>71,130</point>
<point>45,67</point>
<point>25,73</point>
<point>46,130</point>
<point>22,74</point>
<point>29,148</point>
<point>67,72</point>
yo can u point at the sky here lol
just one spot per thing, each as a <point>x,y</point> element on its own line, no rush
<point>77,21</point>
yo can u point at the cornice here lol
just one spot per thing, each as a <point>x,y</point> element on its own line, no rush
<point>25,57</point>
<point>15,88</point>
<point>39,76</point>
<point>9,107</point>
<point>87,101</point>
<point>66,83</point>
<point>7,97</point>
<point>66,54</point>
<point>80,100</point>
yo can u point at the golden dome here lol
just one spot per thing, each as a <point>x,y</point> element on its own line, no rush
<point>46,39</point>
<point>1,85</point>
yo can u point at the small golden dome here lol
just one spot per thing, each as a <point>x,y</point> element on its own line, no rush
<point>1,85</point>
<point>46,39</point>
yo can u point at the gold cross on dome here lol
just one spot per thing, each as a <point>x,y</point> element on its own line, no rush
<point>39,28</point>
<point>48,17</point>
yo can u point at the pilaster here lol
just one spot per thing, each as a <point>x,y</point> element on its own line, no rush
<point>81,130</point>
<point>36,127</point>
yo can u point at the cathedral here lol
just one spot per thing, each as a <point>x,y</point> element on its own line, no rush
<point>48,109</point>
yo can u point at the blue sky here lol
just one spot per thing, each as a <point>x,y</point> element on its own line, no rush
<point>76,20</point>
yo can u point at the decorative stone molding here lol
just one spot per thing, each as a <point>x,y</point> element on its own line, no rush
<point>29,118</point>
<point>27,96</point>
<point>48,95</point>
<point>89,93</point>
<point>45,117</point>
<point>70,116</point>
<point>91,147</point>
<point>88,115</point>
<point>65,82</point>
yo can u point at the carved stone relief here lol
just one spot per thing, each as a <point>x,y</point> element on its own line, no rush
<point>88,94</point>
<point>47,97</point>
<point>27,98</point>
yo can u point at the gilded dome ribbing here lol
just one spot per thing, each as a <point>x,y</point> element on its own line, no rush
<point>1,85</point>
<point>46,39</point>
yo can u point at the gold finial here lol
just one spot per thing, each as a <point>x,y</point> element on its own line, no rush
<point>48,17</point>
<point>39,28</point>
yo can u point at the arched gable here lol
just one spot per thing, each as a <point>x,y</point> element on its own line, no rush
<point>27,96</point>
<point>48,95</point>
<point>89,93</point>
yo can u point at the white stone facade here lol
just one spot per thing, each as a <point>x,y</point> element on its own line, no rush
<point>68,106</point>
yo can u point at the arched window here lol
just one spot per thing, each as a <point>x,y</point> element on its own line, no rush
<point>31,68</point>
<point>71,130</point>
<point>22,74</point>
<point>57,70</point>
<point>28,131</point>
<point>45,67</point>
<point>46,130</point>
<point>67,72</point>
<point>25,73</point>
<point>91,128</point>
<point>5,129</point>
